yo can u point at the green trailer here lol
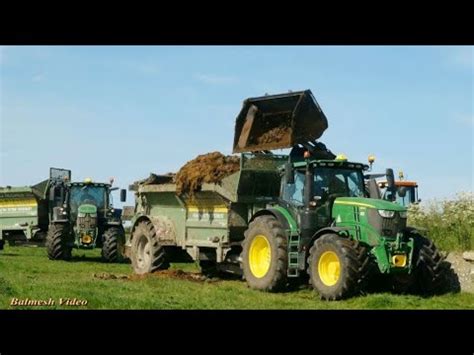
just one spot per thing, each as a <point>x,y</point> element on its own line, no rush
<point>285,219</point>
<point>23,213</point>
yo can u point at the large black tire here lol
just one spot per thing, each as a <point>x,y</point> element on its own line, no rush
<point>147,255</point>
<point>267,232</point>
<point>57,242</point>
<point>113,245</point>
<point>430,270</point>
<point>338,267</point>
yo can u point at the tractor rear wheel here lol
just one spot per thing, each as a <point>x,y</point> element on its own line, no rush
<point>147,254</point>
<point>338,267</point>
<point>56,242</point>
<point>265,255</point>
<point>113,243</point>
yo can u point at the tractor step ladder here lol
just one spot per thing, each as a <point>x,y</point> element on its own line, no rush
<point>293,255</point>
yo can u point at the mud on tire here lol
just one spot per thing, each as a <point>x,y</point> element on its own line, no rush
<point>147,255</point>
<point>275,279</point>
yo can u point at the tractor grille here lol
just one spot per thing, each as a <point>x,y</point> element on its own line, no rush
<point>391,226</point>
<point>388,227</point>
<point>87,222</point>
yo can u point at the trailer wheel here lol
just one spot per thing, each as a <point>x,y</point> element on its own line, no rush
<point>265,255</point>
<point>113,245</point>
<point>56,242</point>
<point>338,267</point>
<point>147,254</point>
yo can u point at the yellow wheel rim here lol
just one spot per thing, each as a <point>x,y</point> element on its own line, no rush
<point>260,256</point>
<point>329,268</point>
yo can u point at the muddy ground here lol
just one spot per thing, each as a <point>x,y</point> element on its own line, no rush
<point>174,274</point>
<point>461,280</point>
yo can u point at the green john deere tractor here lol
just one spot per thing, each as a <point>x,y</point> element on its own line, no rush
<point>282,219</point>
<point>83,217</point>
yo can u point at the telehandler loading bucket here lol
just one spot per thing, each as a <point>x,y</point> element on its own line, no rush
<point>278,121</point>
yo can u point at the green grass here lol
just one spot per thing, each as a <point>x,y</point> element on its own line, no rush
<point>27,273</point>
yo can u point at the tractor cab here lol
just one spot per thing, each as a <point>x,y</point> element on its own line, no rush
<point>87,193</point>
<point>406,192</point>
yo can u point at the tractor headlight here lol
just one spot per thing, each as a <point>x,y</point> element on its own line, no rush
<point>403,214</point>
<point>386,213</point>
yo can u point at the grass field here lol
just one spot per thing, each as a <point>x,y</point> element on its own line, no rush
<point>27,273</point>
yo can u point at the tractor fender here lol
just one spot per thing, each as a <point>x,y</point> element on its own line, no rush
<point>342,231</point>
<point>285,219</point>
<point>335,230</point>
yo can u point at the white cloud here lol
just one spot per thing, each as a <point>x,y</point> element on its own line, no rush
<point>216,79</point>
<point>38,77</point>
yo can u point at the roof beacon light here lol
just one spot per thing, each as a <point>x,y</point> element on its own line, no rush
<point>341,157</point>
<point>87,181</point>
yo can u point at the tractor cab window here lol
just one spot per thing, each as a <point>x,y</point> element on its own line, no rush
<point>293,193</point>
<point>405,199</point>
<point>346,182</point>
<point>87,194</point>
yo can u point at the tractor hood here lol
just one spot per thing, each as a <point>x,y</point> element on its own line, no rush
<point>369,203</point>
<point>87,209</point>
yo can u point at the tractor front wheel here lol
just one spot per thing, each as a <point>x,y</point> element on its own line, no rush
<point>113,245</point>
<point>430,273</point>
<point>56,242</point>
<point>147,254</point>
<point>265,255</point>
<point>337,266</point>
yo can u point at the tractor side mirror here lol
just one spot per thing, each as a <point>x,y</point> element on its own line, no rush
<point>289,173</point>
<point>402,191</point>
<point>123,195</point>
<point>391,183</point>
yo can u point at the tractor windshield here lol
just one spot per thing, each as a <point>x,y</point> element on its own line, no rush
<point>87,194</point>
<point>347,182</point>
<point>407,197</point>
<point>327,181</point>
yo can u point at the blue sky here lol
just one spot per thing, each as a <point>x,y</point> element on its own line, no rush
<point>130,110</point>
